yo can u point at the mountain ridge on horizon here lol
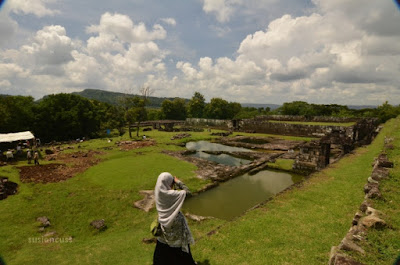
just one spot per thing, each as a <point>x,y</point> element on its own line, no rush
<point>112,97</point>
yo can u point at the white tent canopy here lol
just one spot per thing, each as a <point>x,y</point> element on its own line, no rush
<point>12,137</point>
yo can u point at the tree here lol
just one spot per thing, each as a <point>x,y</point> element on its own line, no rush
<point>65,117</point>
<point>109,116</point>
<point>135,108</point>
<point>233,109</point>
<point>386,112</point>
<point>196,106</point>
<point>153,114</point>
<point>174,110</point>
<point>219,108</point>
<point>16,113</point>
<point>294,108</point>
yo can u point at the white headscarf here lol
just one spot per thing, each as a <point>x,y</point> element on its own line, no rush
<point>168,201</point>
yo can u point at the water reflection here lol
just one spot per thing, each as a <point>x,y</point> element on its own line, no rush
<point>222,159</point>
<point>208,146</point>
<point>232,198</point>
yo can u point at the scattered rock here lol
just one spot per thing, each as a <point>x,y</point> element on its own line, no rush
<point>371,180</point>
<point>7,188</point>
<point>369,186</point>
<point>224,134</point>
<point>344,260</point>
<point>356,218</point>
<point>129,145</point>
<point>148,202</point>
<point>197,218</point>
<point>380,173</point>
<point>372,211</point>
<point>181,136</point>
<point>372,221</point>
<point>349,245</point>
<point>50,234</point>
<point>374,193</point>
<point>389,146</point>
<point>364,206</point>
<point>332,255</point>
<point>99,224</point>
<point>41,229</point>
<point>44,221</point>
<point>336,258</point>
<point>384,162</point>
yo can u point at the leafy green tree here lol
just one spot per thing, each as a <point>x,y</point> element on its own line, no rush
<point>16,113</point>
<point>386,112</point>
<point>196,106</point>
<point>233,109</point>
<point>134,111</point>
<point>109,116</point>
<point>174,110</point>
<point>65,117</point>
<point>218,108</point>
<point>154,114</point>
<point>294,108</point>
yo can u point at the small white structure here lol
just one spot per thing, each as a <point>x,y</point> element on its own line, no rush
<point>13,137</point>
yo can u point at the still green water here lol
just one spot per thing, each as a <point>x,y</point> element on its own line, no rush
<point>232,198</point>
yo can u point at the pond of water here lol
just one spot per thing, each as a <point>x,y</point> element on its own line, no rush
<point>222,159</point>
<point>232,198</point>
<point>208,146</point>
<point>225,159</point>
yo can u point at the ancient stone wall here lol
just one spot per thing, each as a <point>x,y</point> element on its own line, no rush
<point>306,130</point>
<point>214,123</point>
<point>306,118</point>
<point>317,152</point>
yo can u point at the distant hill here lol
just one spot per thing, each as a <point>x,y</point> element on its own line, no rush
<point>155,102</point>
<point>257,105</point>
<point>113,97</point>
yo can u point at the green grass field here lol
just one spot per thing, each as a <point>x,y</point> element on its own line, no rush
<point>297,227</point>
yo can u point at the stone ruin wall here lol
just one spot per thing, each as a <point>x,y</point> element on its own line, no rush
<point>316,154</point>
<point>304,130</point>
<point>306,118</point>
<point>360,133</point>
<point>213,123</point>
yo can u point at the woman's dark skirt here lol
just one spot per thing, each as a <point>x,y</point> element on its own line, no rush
<point>166,255</point>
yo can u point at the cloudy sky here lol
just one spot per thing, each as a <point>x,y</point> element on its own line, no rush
<point>248,51</point>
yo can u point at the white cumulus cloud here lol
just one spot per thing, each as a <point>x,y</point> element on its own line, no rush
<point>37,7</point>
<point>342,52</point>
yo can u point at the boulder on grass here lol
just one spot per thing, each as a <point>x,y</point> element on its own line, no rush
<point>100,225</point>
<point>43,221</point>
<point>372,221</point>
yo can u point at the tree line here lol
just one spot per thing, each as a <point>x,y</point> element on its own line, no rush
<point>69,116</point>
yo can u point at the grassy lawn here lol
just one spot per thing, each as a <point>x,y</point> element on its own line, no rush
<point>297,227</point>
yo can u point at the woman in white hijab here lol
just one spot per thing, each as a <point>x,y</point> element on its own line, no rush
<point>173,245</point>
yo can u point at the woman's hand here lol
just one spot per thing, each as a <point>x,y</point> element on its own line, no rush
<point>176,179</point>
